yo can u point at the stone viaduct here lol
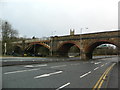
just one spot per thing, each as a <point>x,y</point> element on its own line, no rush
<point>60,45</point>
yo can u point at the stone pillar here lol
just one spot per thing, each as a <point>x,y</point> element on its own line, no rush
<point>23,47</point>
<point>86,56</point>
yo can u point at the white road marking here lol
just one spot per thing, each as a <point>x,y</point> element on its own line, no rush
<point>45,75</point>
<point>97,63</point>
<point>36,65</point>
<point>106,63</point>
<point>58,66</point>
<point>102,65</point>
<point>29,66</point>
<point>63,86</point>
<point>20,71</point>
<point>96,68</point>
<point>85,74</point>
<point>41,65</point>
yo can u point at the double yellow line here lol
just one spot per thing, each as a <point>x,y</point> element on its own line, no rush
<point>102,78</point>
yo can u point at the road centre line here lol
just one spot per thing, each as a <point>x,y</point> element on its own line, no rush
<point>106,63</point>
<point>97,63</point>
<point>85,74</point>
<point>58,66</point>
<point>20,71</point>
<point>102,65</point>
<point>63,86</point>
<point>36,65</point>
<point>46,75</point>
<point>41,65</point>
<point>29,66</point>
<point>96,68</point>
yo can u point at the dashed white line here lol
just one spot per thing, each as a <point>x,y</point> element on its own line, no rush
<point>42,65</point>
<point>85,74</point>
<point>63,86</point>
<point>46,75</point>
<point>106,63</point>
<point>58,66</point>
<point>20,71</point>
<point>102,65</point>
<point>96,68</point>
<point>29,66</point>
<point>97,63</point>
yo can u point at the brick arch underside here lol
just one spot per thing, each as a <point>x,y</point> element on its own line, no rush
<point>89,50</point>
<point>32,48</point>
<point>64,48</point>
<point>18,49</point>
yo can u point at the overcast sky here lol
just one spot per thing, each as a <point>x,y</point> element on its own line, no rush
<point>56,17</point>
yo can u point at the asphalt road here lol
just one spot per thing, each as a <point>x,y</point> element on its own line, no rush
<point>9,61</point>
<point>96,73</point>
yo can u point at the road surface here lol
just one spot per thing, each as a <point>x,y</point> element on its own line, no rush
<point>102,73</point>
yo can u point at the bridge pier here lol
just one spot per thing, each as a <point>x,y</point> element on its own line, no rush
<point>83,55</point>
<point>86,56</point>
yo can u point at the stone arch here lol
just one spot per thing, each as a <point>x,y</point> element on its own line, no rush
<point>17,49</point>
<point>42,44</point>
<point>90,48</point>
<point>64,47</point>
<point>33,48</point>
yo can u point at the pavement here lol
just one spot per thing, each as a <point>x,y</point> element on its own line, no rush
<point>60,75</point>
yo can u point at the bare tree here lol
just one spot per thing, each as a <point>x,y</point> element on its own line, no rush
<point>8,32</point>
<point>8,35</point>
